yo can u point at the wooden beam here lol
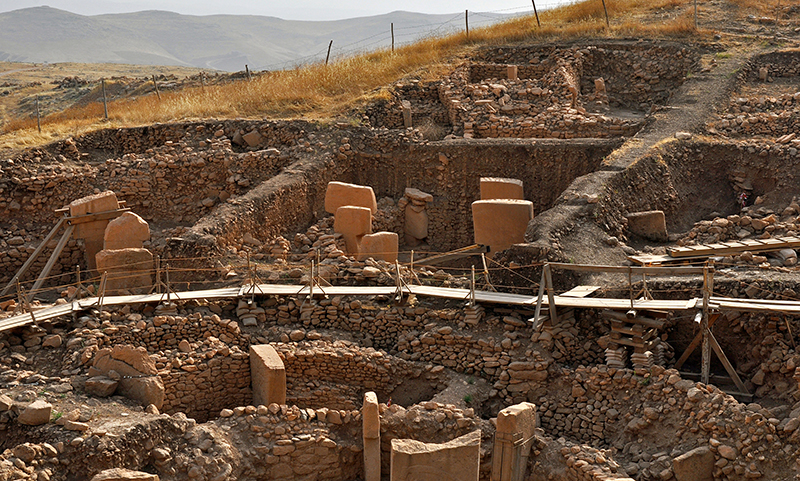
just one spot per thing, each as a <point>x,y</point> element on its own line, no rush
<point>726,363</point>
<point>551,295</point>
<point>51,261</point>
<point>82,219</point>
<point>36,253</point>
<point>453,255</point>
<point>695,342</point>
<point>645,321</point>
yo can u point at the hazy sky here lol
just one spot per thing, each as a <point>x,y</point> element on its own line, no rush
<point>287,9</point>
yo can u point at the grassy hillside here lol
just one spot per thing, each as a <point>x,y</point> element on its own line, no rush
<point>320,91</point>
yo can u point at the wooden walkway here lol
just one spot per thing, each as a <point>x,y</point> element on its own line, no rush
<point>483,297</point>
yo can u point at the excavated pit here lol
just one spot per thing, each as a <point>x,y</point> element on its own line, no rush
<point>219,194</point>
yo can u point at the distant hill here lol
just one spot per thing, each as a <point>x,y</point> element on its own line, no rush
<point>222,42</point>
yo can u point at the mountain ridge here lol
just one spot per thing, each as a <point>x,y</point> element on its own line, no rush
<point>221,42</point>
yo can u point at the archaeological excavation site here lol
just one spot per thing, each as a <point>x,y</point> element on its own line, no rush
<point>558,261</point>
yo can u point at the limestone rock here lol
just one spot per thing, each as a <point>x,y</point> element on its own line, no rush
<point>36,413</point>
<point>120,474</point>
<point>126,231</point>
<point>101,386</point>
<point>695,465</point>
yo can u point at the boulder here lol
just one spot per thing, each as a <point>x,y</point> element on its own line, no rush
<point>120,474</point>
<point>695,465</point>
<point>126,231</point>
<point>36,413</point>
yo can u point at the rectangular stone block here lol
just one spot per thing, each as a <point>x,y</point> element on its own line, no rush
<point>501,188</point>
<point>267,375</point>
<point>650,225</point>
<point>458,459</point>
<point>341,194</point>
<point>128,270</point>
<point>511,71</point>
<point>380,245</point>
<point>500,223</point>
<point>353,223</point>
<point>371,434</point>
<point>516,426</point>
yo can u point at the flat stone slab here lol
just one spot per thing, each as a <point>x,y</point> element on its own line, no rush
<point>267,375</point>
<point>456,460</point>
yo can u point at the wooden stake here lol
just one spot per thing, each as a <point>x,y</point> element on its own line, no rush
<point>38,116</point>
<point>536,13</point>
<point>105,100</point>
<point>158,94</point>
<point>392,37</point>
<point>203,80</point>
<point>708,281</point>
<point>551,297</point>
<point>606,11</point>
<point>328,57</point>
<point>472,289</point>
<point>247,71</point>
<point>466,20</point>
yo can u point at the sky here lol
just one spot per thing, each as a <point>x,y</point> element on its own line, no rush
<point>289,10</point>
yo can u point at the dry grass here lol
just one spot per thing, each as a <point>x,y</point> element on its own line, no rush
<point>319,91</point>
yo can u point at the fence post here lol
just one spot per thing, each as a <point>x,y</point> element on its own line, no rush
<point>392,36</point>
<point>466,21</point>
<point>247,71</point>
<point>105,101</point>
<point>158,94</point>
<point>536,13</point>
<point>38,116</point>
<point>328,57</point>
<point>606,12</point>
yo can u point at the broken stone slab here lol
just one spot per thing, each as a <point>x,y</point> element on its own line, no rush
<point>501,188</point>
<point>267,375</point>
<point>128,269</point>
<point>695,465</point>
<point>126,231</point>
<point>121,474</point>
<point>101,386</point>
<point>126,360</point>
<point>146,390</point>
<point>340,194</point>
<point>501,223</point>
<point>353,223</point>
<point>457,459</point>
<point>416,194</point>
<point>379,246</point>
<point>36,413</point>
<point>650,225</point>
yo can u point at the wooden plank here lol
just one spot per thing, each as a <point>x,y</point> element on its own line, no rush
<point>718,249</point>
<point>581,291</point>
<point>551,299</point>
<point>652,271</point>
<point>82,219</point>
<point>453,255</point>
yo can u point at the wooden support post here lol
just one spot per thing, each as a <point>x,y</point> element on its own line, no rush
<point>52,261</point>
<point>36,253</point>
<point>630,285</point>
<point>38,116</point>
<point>399,282</point>
<point>167,286</point>
<point>472,289</point>
<point>537,312</point>
<point>79,286</point>
<point>536,13</point>
<point>707,288</point>
<point>392,36</point>
<point>102,291</point>
<point>105,100</point>
<point>155,84</point>
<point>551,297</point>
<point>466,20</point>
<point>328,57</point>
<point>606,12</point>
<point>486,273</point>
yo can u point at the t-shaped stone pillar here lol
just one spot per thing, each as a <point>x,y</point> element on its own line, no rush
<point>267,375</point>
<point>353,223</point>
<point>93,232</point>
<point>371,426</point>
<point>512,442</point>
<point>501,188</point>
<point>501,223</point>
